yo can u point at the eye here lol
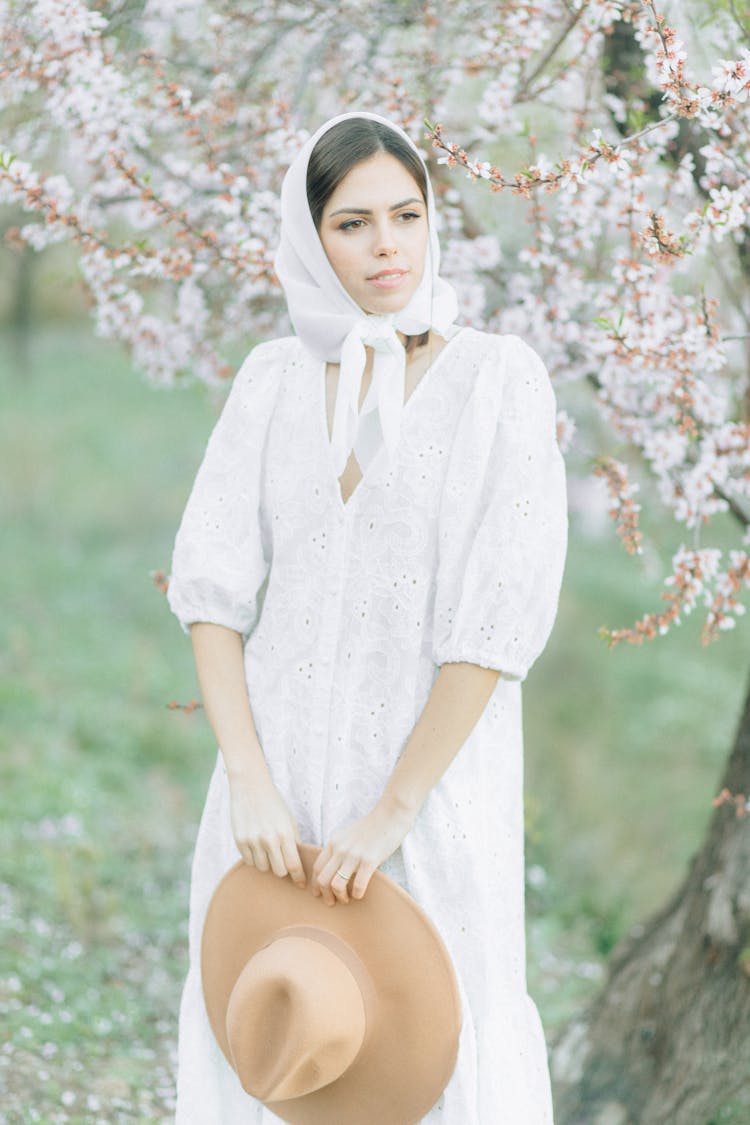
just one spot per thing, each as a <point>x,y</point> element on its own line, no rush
<point>351,224</point>
<point>409,216</point>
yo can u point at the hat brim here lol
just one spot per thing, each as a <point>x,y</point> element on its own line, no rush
<point>411,1044</point>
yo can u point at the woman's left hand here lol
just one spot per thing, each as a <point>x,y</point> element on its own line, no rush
<point>358,850</point>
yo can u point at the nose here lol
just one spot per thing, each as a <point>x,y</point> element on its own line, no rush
<point>384,240</point>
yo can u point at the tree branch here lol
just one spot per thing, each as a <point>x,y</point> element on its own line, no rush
<point>735,507</point>
<point>550,53</point>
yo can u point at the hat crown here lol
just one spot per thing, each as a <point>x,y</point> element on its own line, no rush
<point>296,1018</point>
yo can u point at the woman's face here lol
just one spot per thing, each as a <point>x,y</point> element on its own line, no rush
<point>374,232</point>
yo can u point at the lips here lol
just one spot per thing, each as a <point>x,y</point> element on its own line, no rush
<point>386,274</point>
<point>388,279</point>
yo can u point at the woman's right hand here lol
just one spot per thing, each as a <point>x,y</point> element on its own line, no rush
<point>264,829</point>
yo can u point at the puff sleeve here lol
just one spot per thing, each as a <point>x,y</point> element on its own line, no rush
<point>219,562</point>
<point>502,521</point>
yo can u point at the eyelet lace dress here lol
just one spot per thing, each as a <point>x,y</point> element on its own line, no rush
<point>451,551</point>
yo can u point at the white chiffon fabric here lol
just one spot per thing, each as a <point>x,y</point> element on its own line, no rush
<point>452,551</point>
<point>333,327</point>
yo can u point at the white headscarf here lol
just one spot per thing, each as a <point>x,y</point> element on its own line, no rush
<point>334,327</point>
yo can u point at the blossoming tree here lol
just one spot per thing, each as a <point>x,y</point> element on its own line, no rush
<point>153,137</point>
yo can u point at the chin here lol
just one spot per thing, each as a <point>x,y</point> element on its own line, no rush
<point>392,303</point>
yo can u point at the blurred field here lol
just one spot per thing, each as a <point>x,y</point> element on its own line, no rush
<point>101,784</point>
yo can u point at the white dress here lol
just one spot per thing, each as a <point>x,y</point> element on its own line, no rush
<point>454,552</point>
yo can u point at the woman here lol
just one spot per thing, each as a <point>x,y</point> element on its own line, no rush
<point>368,564</point>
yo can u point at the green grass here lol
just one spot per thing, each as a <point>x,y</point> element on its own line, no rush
<point>101,785</point>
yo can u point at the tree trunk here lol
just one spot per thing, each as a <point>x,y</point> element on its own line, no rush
<point>667,1041</point>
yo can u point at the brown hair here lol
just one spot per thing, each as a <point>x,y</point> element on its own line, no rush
<point>346,145</point>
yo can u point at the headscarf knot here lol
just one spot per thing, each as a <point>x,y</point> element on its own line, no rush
<point>379,419</point>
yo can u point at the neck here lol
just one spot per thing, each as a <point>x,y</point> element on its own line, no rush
<point>415,343</point>
<point>414,346</point>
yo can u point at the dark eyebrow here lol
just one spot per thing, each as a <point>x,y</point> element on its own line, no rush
<point>364,211</point>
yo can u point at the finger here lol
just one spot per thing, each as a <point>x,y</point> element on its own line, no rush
<point>327,894</point>
<point>324,883</point>
<point>259,856</point>
<point>362,879</point>
<point>321,861</point>
<point>247,855</point>
<point>293,862</point>
<point>335,878</point>
<point>340,884</point>
<point>278,866</point>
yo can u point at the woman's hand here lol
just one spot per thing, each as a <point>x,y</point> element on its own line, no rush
<point>264,830</point>
<point>359,849</point>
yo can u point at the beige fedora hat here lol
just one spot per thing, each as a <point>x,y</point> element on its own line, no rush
<point>344,1015</point>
